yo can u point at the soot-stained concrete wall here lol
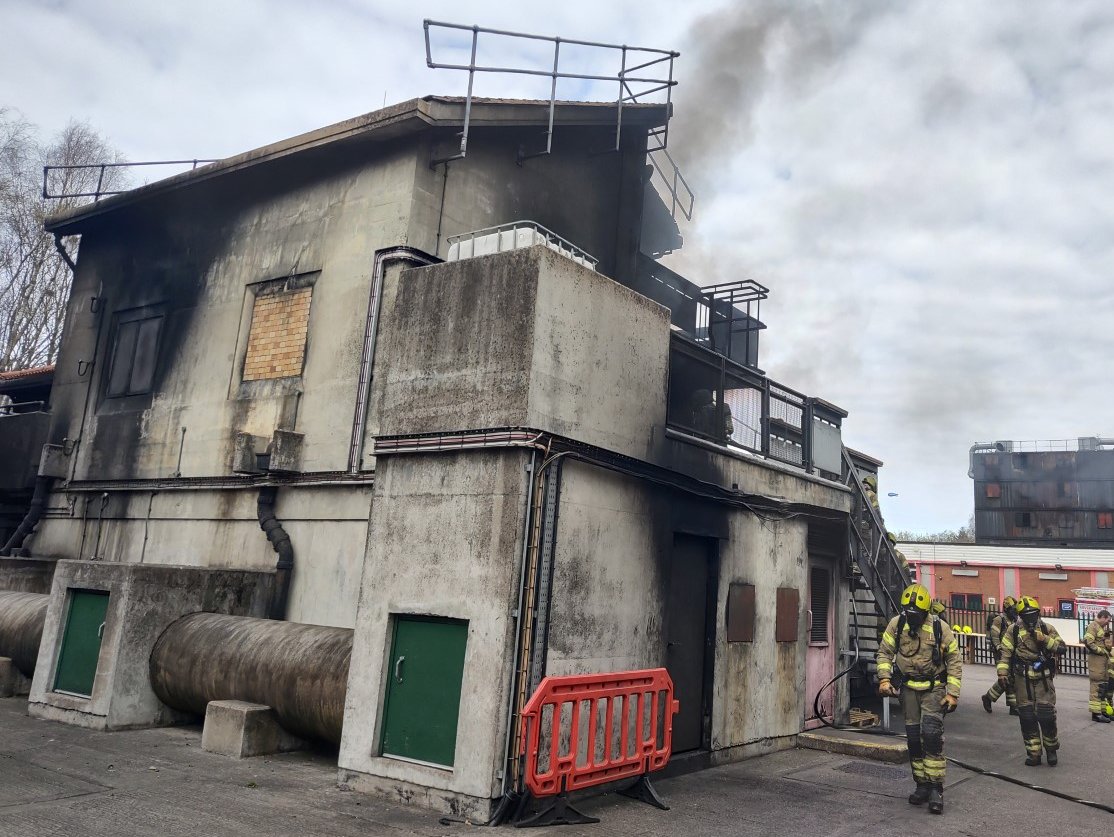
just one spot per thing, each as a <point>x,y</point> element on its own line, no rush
<point>219,529</point>
<point>525,338</point>
<point>447,536</point>
<point>142,602</point>
<point>194,257</point>
<point>610,592</point>
<point>592,199</point>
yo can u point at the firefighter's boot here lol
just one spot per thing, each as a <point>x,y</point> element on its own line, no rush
<point>936,799</point>
<point>921,794</point>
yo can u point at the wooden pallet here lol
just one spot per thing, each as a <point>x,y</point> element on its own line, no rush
<point>863,718</point>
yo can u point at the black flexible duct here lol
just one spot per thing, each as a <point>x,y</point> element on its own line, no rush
<point>14,544</point>
<point>280,542</point>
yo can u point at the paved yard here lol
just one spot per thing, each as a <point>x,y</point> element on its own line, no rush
<point>61,780</point>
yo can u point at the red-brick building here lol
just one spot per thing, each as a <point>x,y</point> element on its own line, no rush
<point>976,577</point>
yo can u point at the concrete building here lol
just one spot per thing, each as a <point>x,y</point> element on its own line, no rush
<point>1056,493</point>
<point>469,470</point>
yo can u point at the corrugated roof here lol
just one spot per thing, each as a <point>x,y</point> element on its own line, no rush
<point>1009,556</point>
<point>21,374</point>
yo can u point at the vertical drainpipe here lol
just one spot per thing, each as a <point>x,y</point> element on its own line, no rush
<point>280,542</point>
<point>409,255</point>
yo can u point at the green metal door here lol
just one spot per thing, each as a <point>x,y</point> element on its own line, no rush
<point>423,692</point>
<point>81,642</point>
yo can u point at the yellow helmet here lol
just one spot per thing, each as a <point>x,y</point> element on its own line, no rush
<point>938,607</point>
<point>1008,602</point>
<point>891,537</point>
<point>871,482</point>
<point>1028,604</point>
<point>915,596</point>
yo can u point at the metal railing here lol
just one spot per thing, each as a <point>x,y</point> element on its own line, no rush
<point>514,235</point>
<point>18,408</point>
<point>627,75</point>
<point>875,557</point>
<point>99,191</point>
<point>714,398</point>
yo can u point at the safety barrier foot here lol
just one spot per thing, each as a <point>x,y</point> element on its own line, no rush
<point>559,812</point>
<point>643,791</point>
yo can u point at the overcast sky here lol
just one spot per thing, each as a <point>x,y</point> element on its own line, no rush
<point>926,187</point>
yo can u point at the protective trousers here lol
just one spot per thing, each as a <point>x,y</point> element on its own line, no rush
<point>924,732</point>
<point>1036,704</point>
<point>1096,674</point>
<point>995,692</point>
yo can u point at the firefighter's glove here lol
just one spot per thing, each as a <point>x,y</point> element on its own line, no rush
<point>885,689</point>
<point>949,703</point>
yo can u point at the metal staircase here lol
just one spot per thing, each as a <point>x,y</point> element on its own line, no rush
<point>879,577</point>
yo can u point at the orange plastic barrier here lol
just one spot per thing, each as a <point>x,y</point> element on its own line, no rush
<point>628,700</point>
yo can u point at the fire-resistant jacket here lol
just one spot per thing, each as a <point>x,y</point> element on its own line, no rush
<point>911,654</point>
<point>1021,647</point>
<point>998,623</point>
<point>1095,638</point>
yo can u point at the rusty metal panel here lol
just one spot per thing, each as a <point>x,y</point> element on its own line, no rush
<point>740,613</point>
<point>788,614</point>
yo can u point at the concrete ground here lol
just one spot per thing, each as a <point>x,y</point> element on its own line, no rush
<point>61,780</point>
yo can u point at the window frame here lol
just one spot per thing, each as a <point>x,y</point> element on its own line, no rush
<point>139,317</point>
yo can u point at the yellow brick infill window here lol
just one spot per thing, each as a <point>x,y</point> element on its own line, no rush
<point>277,338</point>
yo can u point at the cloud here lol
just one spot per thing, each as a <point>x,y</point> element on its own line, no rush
<point>925,188</point>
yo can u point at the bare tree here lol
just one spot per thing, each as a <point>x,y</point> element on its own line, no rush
<point>34,279</point>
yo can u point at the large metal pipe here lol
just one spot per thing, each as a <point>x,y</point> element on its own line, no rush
<point>300,671</point>
<point>21,627</point>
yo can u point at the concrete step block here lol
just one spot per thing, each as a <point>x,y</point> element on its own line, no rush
<point>879,748</point>
<point>13,683</point>
<point>240,729</point>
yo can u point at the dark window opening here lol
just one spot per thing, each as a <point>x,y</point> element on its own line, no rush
<point>1065,489</point>
<point>696,397</point>
<point>967,601</point>
<point>134,356</point>
<point>1023,520</point>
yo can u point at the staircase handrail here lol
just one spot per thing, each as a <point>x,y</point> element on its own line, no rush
<point>868,550</point>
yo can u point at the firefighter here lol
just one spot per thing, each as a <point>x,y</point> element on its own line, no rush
<point>892,538</point>
<point>1098,661</point>
<point>870,485</point>
<point>918,659</point>
<point>1027,661</point>
<point>999,623</point>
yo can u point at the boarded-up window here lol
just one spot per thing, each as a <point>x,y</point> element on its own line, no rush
<point>740,613</point>
<point>788,614</point>
<point>277,339</point>
<point>1106,520</point>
